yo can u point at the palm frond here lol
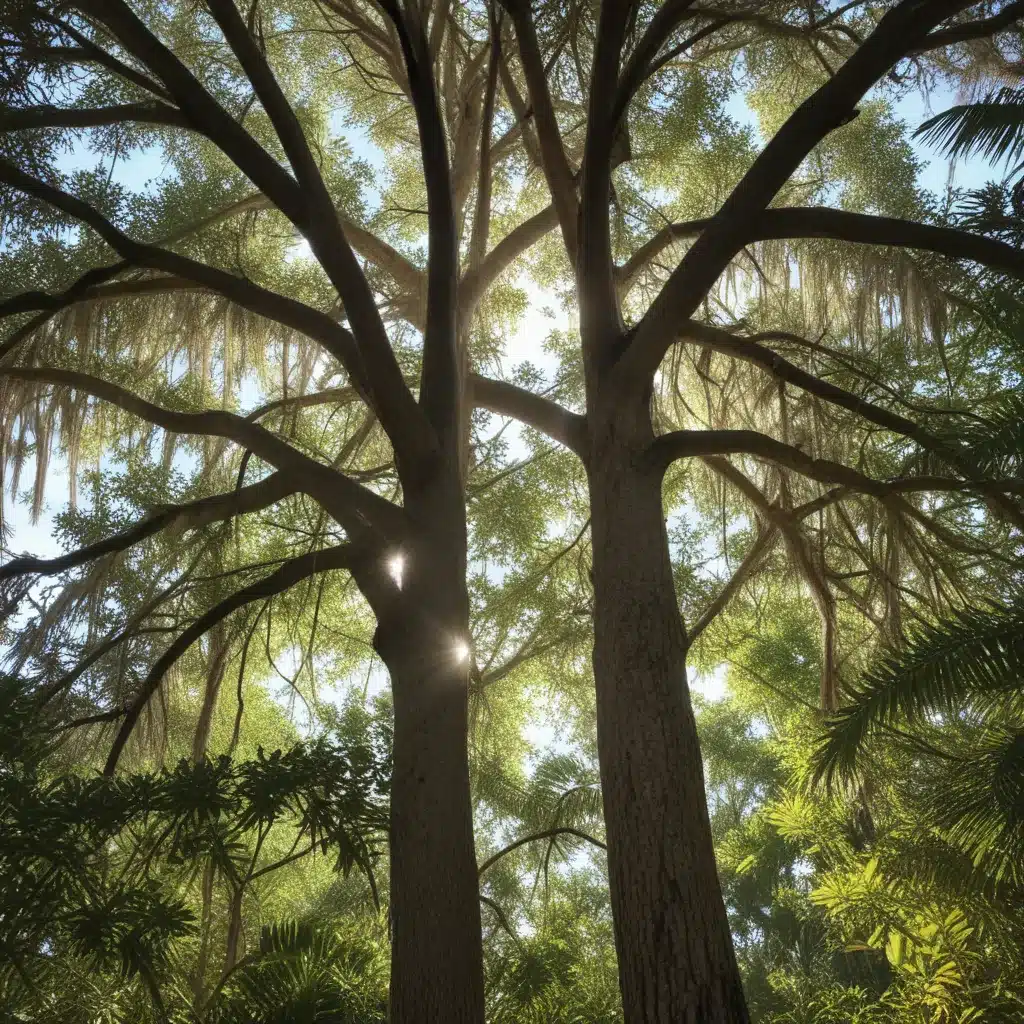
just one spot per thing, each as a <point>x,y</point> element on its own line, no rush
<point>973,653</point>
<point>992,127</point>
<point>979,805</point>
<point>997,445</point>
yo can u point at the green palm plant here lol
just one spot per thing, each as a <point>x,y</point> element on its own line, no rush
<point>992,127</point>
<point>956,686</point>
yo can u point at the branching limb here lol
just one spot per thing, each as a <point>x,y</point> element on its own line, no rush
<point>659,30</point>
<point>905,26</point>
<point>439,385</point>
<point>554,162</point>
<point>307,207</point>
<point>811,569</point>
<point>203,111</point>
<point>551,833</point>
<point>319,326</point>
<point>1007,18</point>
<point>840,225</point>
<point>17,119</point>
<point>702,443</point>
<point>290,573</point>
<point>189,516</point>
<point>482,213</point>
<point>349,502</point>
<point>568,428</point>
<point>511,247</point>
<point>763,543</point>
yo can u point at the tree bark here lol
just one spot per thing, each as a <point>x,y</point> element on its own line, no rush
<point>676,961</point>
<point>423,637</point>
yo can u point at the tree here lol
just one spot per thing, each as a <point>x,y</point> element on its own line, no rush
<point>661,863</point>
<point>230,99</point>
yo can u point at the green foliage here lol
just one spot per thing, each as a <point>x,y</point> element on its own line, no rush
<point>973,658</point>
<point>95,871</point>
<point>992,127</point>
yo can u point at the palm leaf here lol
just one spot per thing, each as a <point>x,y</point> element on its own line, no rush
<point>997,445</point>
<point>993,127</point>
<point>979,805</point>
<point>972,654</point>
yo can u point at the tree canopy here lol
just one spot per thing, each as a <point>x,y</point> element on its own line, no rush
<point>445,395</point>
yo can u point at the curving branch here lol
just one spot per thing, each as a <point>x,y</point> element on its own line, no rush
<point>750,350</point>
<point>87,52</point>
<point>1007,18</point>
<point>839,225</point>
<point>763,543</point>
<point>810,569</point>
<point>870,229</point>
<point>289,312</point>
<point>18,119</point>
<point>287,575</point>
<point>500,258</point>
<point>551,833</point>
<point>498,396</point>
<point>439,377</point>
<point>349,502</point>
<point>304,202</point>
<point>830,106</point>
<point>701,443</point>
<point>554,162</point>
<point>190,515</point>
<point>204,113</point>
<point>668,17</point>
<point>776,519</point>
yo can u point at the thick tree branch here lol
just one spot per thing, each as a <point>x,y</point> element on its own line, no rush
<point>392,399</point>
<point>600,317</point>
<point>826,109</point>
<point>983,29</point>
<point>750,350</point>
<point>204,113</point>
<point>482,212</point>
<point>554,163</point>
<point>353,505</point>
<point>16,119</point>
<point>87,52</point>
<point>380,373</point>
<point>568,428</point>
<point>840,225</point>
<point>190,515</point>
<point>666,20</point>
<point>869,229</point>
<point>291,572</point>
<point>689,443</point>
<point>440,395</point>
<point>319,326</point>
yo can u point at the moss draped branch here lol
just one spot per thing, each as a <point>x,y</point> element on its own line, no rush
<point>353,505</point>
<point>286,576</point>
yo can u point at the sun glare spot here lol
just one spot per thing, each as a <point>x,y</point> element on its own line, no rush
<point>461,651</point>
<point>396,563</point>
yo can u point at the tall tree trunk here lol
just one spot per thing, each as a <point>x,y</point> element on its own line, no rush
<point>676,960</point>
<point>436,955</point>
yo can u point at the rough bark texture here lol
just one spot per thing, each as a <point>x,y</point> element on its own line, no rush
<point>436,955</point>
<point>676,961</point>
